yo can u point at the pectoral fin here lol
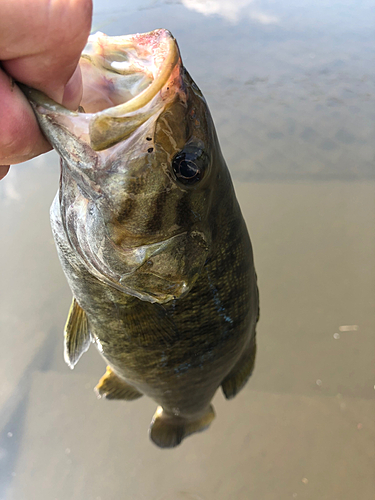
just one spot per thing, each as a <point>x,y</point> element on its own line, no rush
<point>76,335</point>
<point>110,386</point>
<point>167,431</point>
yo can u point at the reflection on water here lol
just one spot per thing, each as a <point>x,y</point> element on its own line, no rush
<point>232,11</point>
<point>293,104</point>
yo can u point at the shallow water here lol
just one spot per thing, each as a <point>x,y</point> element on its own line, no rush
<point>291,90</point>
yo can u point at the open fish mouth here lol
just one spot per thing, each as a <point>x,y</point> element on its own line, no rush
<point>122,77</point>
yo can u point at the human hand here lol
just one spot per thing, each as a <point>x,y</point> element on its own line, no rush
<point>40,45</point>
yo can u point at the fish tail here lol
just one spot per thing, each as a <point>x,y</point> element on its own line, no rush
<point>167,431</point>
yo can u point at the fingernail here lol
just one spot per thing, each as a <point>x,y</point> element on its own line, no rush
<point>73,90</point>
<point>4,170</point>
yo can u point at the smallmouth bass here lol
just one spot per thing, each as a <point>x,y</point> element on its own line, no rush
<point>150,234</point>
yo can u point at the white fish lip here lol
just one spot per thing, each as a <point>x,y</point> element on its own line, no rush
<point>106,127</point>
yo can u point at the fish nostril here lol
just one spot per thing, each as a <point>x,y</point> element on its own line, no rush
<point>150,150</point>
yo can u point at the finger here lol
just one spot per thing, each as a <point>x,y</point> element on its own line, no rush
<point>54,32</point>
<point>20,138</point>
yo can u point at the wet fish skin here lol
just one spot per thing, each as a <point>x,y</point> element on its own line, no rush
<point>161,270</point>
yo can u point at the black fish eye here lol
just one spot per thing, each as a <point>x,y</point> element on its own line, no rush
<point>190,165</point>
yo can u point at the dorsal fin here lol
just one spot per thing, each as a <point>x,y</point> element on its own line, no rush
<point>241,372</point>
<point>76,335</point>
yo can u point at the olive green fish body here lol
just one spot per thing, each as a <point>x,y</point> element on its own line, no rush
<point>178,352</point>
<point>150,235</point>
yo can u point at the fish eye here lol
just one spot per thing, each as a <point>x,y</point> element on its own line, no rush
<point>190,165</point>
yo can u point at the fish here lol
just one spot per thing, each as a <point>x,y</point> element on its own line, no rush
<point>150,234</point>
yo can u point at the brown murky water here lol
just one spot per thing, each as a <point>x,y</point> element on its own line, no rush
<point>291,90</point>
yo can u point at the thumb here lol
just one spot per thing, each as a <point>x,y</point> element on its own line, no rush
<point>73,90</point>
